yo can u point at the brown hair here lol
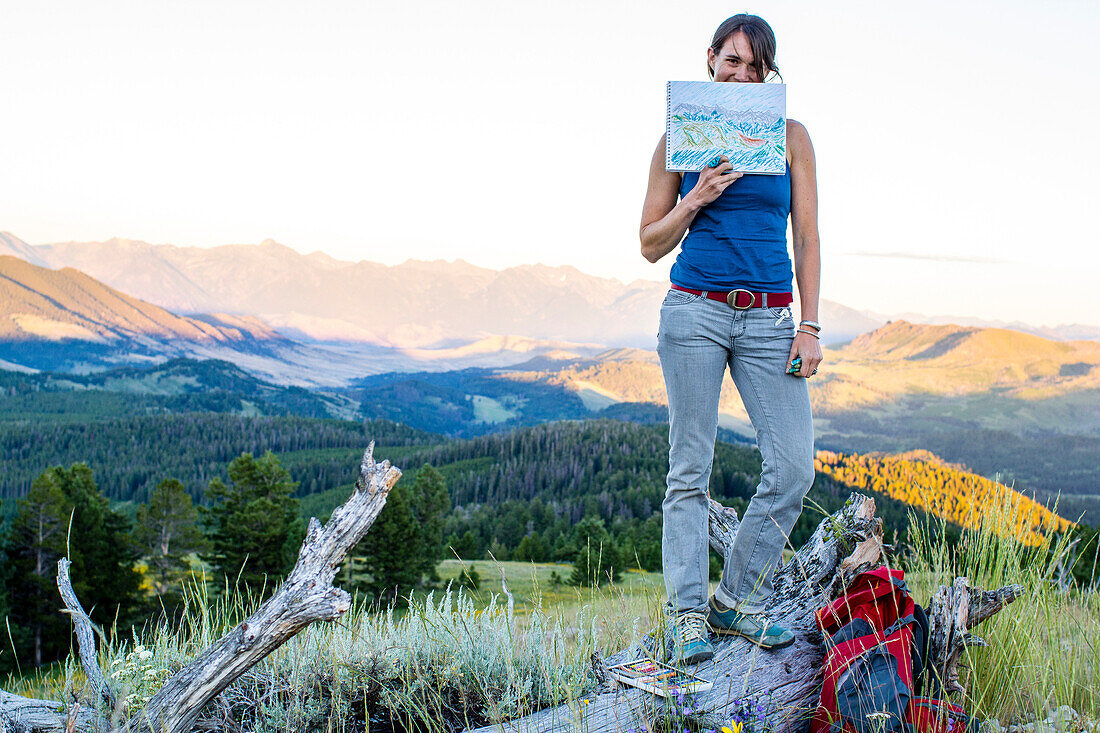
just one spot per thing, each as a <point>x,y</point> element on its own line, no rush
<point>761,40</point>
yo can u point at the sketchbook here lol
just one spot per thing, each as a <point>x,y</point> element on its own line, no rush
<point>745,122</point>
<point>658,678</point>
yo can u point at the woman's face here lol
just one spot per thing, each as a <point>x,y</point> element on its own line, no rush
<point>735,61</point>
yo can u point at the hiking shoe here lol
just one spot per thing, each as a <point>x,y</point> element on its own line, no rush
<point>756,627</point>
<point>690,644</point>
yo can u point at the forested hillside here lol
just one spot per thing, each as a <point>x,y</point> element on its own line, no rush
<point>520,494</point>
<point>174,386</point>
<point>129,455</point>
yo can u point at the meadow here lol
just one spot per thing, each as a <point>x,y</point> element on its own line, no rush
<point>462,657</point>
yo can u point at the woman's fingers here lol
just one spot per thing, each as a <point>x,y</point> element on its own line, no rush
<point>713,181</point>
<point>809,365</point>
<point>807,348</point>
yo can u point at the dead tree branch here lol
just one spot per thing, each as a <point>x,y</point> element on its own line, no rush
<point>306,596</point>
<point>85,635</point>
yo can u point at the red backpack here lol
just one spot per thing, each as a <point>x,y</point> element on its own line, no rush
<point>876,639</point>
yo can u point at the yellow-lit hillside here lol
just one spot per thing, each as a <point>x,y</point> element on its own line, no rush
<point>923,480</point>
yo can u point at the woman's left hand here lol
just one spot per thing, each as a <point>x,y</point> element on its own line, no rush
<point>809,348</point>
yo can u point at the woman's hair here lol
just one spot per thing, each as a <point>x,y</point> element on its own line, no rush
<point>761,39</point>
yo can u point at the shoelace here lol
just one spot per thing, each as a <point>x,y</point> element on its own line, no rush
<point>692,626</point>
<point>760,618</point>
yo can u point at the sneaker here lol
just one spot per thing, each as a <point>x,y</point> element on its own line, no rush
<point>690,644</point>
<point>756,627</point>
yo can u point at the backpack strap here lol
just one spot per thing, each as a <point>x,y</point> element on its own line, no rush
<point>920,651</point>
<point>897,625</point>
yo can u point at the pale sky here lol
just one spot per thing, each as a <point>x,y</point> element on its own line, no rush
<point>956,141</point>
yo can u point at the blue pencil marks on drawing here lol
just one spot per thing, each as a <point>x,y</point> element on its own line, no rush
<point>745,122</point>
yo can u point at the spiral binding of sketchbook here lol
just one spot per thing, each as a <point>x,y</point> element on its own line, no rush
<point>668,126</point>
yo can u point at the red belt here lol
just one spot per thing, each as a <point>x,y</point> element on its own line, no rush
<point>741,299</point>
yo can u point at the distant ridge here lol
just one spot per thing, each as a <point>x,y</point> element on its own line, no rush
<point>912,341</point>
<point>55,305</point>
<point>65,320</point>
<point>16,247</point>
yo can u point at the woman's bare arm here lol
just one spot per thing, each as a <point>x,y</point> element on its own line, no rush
<point>806,241</point>
<point>664,219</point>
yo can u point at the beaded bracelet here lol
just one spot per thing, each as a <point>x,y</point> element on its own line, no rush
<point>811,333</point>
<point>811,324</point>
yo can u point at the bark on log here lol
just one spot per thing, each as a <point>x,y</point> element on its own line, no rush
<point>27,714</point>
<point>306,596</point>
<point>23,712</point>
<point>787,681</point>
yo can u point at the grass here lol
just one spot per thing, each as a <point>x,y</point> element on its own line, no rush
<point>459,658</point>
<point>1044,649</point>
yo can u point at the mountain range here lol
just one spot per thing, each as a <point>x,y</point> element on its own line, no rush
<point>414,304</point>
<point>64,320</point>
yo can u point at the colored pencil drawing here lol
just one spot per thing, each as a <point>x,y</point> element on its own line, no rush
<point>745,122</point>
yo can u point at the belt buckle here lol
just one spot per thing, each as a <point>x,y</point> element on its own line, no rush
<point>731,299</point>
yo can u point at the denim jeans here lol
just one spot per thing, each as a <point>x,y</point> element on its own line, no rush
<point>699,338</point>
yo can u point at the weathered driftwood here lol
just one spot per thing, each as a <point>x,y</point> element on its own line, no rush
<point>18,714</point>
<point>21,714</point>
<point>306,596</point>
<point>786,682</point>
<point>951,612</point>
<point>85,636</point>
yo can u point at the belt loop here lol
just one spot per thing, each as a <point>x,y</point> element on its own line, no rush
<point>763,300</point>
<point>704,293</point>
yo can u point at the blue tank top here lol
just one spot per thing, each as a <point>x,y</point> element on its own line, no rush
<point>739,240</point>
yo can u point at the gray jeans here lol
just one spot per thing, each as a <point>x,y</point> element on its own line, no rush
<point>698,339</point>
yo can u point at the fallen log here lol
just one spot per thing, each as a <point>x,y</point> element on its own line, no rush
<point>784,682</point>
<point>20,714</point>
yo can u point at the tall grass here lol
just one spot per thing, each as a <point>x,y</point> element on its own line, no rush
<point>456,659</point>
<point>449,661</point>
<point>1044,649</point>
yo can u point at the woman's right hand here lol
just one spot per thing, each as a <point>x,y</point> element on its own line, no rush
<point>713,181</point>
<point>665,219</point>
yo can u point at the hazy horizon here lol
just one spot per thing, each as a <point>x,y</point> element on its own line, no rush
<point>957,318</point>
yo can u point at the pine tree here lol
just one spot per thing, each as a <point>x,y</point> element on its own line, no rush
<point>34,544</point>
<point>253,524</point>
<point>430,503</point>
<point>531,548</point>
<point>391,550</point>
<point>101,549</point>
<point>465,546</point>
<point>596,559</point>
<point>166,532</point>
<point>65,514</point>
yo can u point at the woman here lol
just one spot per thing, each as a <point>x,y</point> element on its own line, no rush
<point>729,307</point>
